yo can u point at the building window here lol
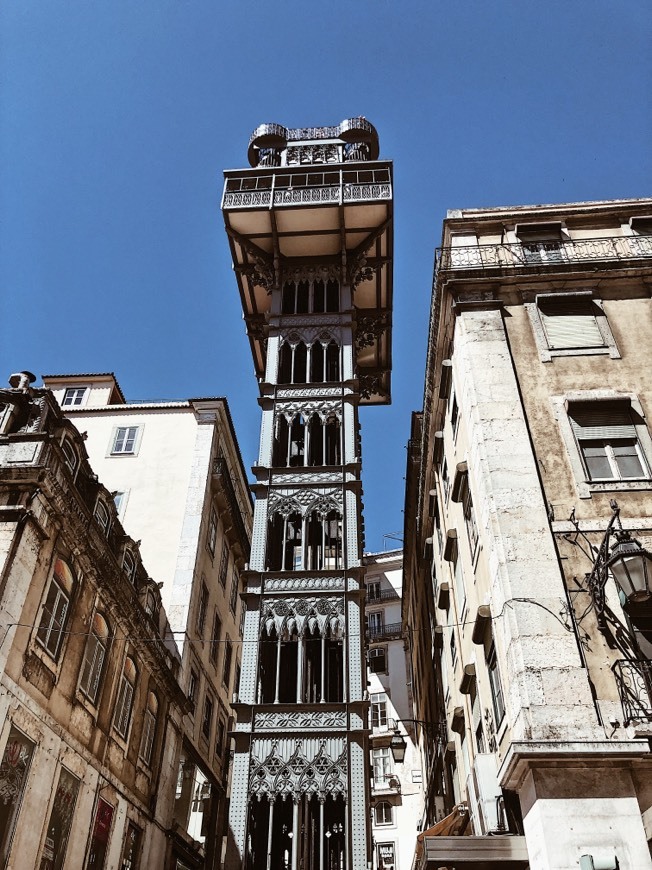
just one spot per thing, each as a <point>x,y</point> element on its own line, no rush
<point>56,609</point>
<point>453,650</point>
<point>236,681</point>
<point>119,500</point>
<point>202,609</point>
<point>69,455</point>
<point>383,813</point>
<point>462,493</point>
<point>570,324</point>
<point>207,718</point>
<point>375,622</point>
<point>455,415</point>
<point>102,516</point>
<point>212,531</point>
<point>149,728</point>
<point>94,657</point>
<point>495,685</point>
<point>124,703</point>
<point>243,616</point>
<point>74,397</point>
<point>542,243</point>
<point>382,765</point>
<point>235,588</point>
<point>129,564</point>
<point>386,856</point>
<point>224,564</point>
<point>607,436</point>
<point>193,686</point>
<point>220,736</point>
<point>53,853</point>
<point>373,591</point>
<point>124,440</point>
<point>226,671</point>
<point>131,851</point>
<point>378,660</point>
<point>379,710</point>
<point>445,480</point>
<point>215,639</point>
<point>14,768</point>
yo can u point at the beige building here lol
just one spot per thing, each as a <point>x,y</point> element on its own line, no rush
<point>396,786</point>
<point>529,480</point>
<point>89,697</point>
<point>180,489</point>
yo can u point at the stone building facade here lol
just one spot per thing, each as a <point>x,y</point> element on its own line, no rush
<point>396,785</point>
<point>534,441</point>
<point>89,699</point>
<point>180,488</point>
<point>310,230</point>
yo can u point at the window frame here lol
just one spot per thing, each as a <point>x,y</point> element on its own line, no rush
<point>380,652</point>
<point>226,665</point>
<point>202,608</point>
<point>124,702</point>
<point>585,486</point>
<point>211,531</point>
<point>115,434</point>
<point>97,667</point>
<point>148,735</point>
<point>215,639</point>
<point>378,710</point>
<point>385,822</point>
<point>56,584</point>
<point>547,353</point>
<point>495,686</point>
<point>207,716</point>
<point>72,392</point>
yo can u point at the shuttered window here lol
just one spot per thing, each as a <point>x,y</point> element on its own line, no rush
<point>570,323</point>
<point>608,441</point>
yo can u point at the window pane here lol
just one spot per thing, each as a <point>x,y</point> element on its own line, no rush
<point>627,459</point>
<point>597,461</point>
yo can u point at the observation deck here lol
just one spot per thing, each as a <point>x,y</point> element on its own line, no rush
<point>316,198</point>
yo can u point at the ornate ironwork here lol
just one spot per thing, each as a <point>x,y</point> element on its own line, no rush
<point>517,255</point>
<point>392,629</point>
<point>634,681</point>
<point>369,328</point>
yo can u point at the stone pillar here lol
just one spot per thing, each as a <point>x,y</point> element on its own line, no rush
<point>547,690</point>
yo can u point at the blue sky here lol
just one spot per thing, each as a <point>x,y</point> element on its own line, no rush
<point>118,116</point>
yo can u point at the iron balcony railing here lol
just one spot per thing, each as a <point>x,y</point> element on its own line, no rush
<point>381,595</point>
<point>307,188</point>
<point>392,629</point>
<point>634,681</point>
<point>548,254</point>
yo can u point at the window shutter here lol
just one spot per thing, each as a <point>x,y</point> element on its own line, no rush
<point>596,420</point>
<point>570,323</point>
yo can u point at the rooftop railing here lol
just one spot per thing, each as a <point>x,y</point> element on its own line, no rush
<point>634,681</point>
<point>550,254</point>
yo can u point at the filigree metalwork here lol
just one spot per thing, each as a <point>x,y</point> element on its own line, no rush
<point>299,720</point>
<point>303,584</point>
<point>369,328</point>
<point>304,502</point>
<point>297,155</point>
<point>310,768</point>
<point>299,616</point>
<point>370,384</point>
<point>260,274</point>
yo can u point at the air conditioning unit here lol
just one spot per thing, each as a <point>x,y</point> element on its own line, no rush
<point>485,796</point>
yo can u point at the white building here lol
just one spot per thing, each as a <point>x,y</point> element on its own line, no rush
<point>181,489</point>
<point>397,792</point>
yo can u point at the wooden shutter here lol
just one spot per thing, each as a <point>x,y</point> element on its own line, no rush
<point>570,323</point>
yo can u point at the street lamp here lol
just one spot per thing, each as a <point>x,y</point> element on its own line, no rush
<point>397,746</point>
<point>629,563</point>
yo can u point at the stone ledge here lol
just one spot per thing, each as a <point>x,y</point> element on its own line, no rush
<point>522,756</point>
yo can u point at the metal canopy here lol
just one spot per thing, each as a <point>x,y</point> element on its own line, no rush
<point>332,214</point>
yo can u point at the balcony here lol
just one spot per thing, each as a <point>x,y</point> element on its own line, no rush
<point>381,595</point>
<point>283,188</point>
<point>634,681</point>
<point>543,256</point>
<point>392,630</point>
<point>226,489</point>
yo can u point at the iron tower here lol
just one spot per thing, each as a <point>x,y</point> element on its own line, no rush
<point>310,231</point>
